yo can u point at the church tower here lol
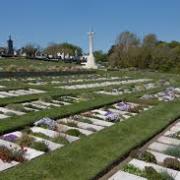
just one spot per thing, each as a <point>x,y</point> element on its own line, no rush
<point>10,50</point>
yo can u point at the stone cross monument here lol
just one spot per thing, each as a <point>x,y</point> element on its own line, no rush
<point>91,59</point>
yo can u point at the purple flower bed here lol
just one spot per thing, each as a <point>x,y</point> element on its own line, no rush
<point>46,121</point>
<point>123,106</point>
<point>10,137</point>
<point>110,116</point>
<point>169,94</point>
<point>108,113</point>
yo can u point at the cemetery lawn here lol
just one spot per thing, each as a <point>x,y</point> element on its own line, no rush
<point>19,122</point>
<point>84,159</point>
<point>13,65</point>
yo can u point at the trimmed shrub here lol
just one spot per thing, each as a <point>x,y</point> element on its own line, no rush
<point>10,114</point>
<point>148,157</point>
<point>41,146</point>
<point>18,155</point>
<point>25,140</point>
<point>73,132</point>
<point>152,174</point>
<point>173,151</point>
<point>86,121</point>
<point>144,156</point>
<point>72,124</point>
<point>133,170</point>
<point>60,140</point>
<point>5,154</point>
<point>41,135</point>
<point>91,129</point>
<point>176,135</point>
<point>17,107</point>
<point>9,155</point>
<point>46,99</point>
<point>135,109</point>
<point>172,163</point>
<point>26,130</point>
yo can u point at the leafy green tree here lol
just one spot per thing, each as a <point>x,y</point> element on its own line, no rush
<point>174,44</point>
<point>122,51</point>
<point>100,56</point>
<point>127,39</point>
<point>67,48</point>
<point>31,49</point>
<point>150,41</point>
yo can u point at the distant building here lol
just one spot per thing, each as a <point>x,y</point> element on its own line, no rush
<point>2,51</point>
<point>22,52</point>
<point>10,49</point>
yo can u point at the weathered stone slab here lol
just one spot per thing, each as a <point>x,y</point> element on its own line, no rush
<point>2,116</point>
<point>82,125</point>
<point>48,104</point>
<point>38,105</point>
<point>141,165</point>
<point>168,140</point>
<point>65,128</point>
<point>160,157</point>
<point>5,110</point>
<point>6,165</point>
<point>29,154</point>
<point>101,84</point>
<point>51,145</point>
<point>121,175</point>
<point>53,134</point>
<point>126,116</point>
<point>98,121</point>
<point>159,147</point>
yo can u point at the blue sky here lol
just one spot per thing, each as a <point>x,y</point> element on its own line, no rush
<point>46,21</point>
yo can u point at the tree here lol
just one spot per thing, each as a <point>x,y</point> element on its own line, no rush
<point>150,41</point>
<point>67,48</point>
<point>100,56</point>
<point>30,50</point>
<point>127,39</point>
<point>111,50</point>
<point>151,53</point>
<point>174,44</point>
<point>121,52</point>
